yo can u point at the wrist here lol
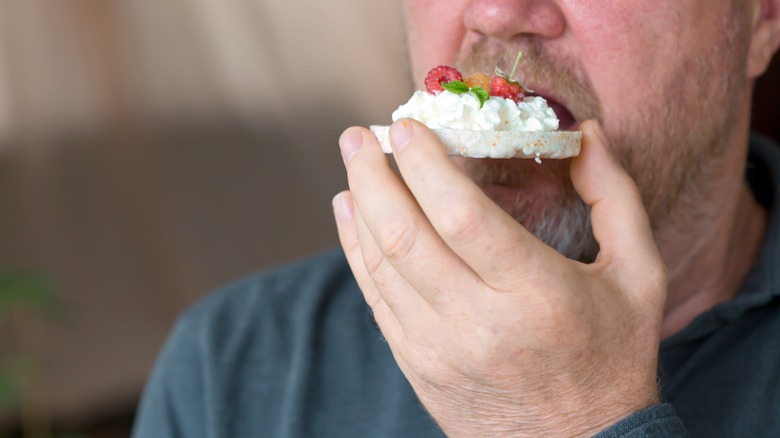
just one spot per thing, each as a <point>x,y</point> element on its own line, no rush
<point>561,416</point>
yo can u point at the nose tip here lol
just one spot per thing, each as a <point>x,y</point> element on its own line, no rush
<point>508,19</point>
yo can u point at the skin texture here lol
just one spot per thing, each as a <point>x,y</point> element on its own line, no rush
<point>500,334</point>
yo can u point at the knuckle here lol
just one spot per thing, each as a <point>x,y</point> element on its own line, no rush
<point>397,239</point>
<point>463,225</point>
<point>651,277</point>
<point>373,261</point>
<point>660,274</point>
<point>349,241</point>
<point>658,279</point>
<point>358,168</point>
<point>646,285</point>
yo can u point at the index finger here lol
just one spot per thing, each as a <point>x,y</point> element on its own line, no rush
<point>397,231</point>
<point>483,235</point>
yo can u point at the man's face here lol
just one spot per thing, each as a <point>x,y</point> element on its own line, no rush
<point>666,79</point>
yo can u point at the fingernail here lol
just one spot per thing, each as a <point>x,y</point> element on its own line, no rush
<point>342,208</point>
<point>349,143</point>
<point>401,134</point>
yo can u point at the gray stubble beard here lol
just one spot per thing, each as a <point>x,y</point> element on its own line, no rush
<point>673,148</point>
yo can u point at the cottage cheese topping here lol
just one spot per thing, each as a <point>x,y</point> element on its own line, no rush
<point>462,111</point>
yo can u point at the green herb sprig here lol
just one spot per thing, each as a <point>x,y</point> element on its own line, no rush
<point>460,87</point>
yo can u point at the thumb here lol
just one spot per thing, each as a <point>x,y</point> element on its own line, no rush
<point>620,221</point>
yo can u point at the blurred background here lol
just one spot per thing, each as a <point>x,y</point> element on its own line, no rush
<point>151,151</point>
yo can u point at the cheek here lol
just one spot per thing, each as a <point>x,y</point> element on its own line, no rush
<point>435,33</point>
<point>627,50</point>
<point>635,52</point>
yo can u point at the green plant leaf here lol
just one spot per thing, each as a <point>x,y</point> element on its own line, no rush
<point>481,94</point>
<point>457,87</point>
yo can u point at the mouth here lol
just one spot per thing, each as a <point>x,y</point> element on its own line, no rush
<point>567,120</point>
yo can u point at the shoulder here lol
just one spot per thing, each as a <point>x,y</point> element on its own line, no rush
<point>224,366</point>
<point>273,305</point>
<point>310,280</point>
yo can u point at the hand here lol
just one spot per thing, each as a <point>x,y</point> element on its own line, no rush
<point>498,334</point>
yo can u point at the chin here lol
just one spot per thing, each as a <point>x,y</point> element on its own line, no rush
<point>541,198</point>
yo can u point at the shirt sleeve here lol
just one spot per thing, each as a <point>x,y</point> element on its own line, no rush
<point>659,421</point>
<point>172,404</point>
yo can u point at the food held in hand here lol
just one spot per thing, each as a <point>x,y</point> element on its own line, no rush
<point>485,116</point>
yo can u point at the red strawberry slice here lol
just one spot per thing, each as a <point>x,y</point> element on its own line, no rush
<point>500,87</point>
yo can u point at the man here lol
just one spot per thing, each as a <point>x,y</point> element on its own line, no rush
<point>496,333</point>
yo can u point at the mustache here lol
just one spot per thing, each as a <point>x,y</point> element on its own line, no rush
<point>564,78</point>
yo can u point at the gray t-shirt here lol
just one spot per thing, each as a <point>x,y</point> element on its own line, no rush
<point>294,353</point>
